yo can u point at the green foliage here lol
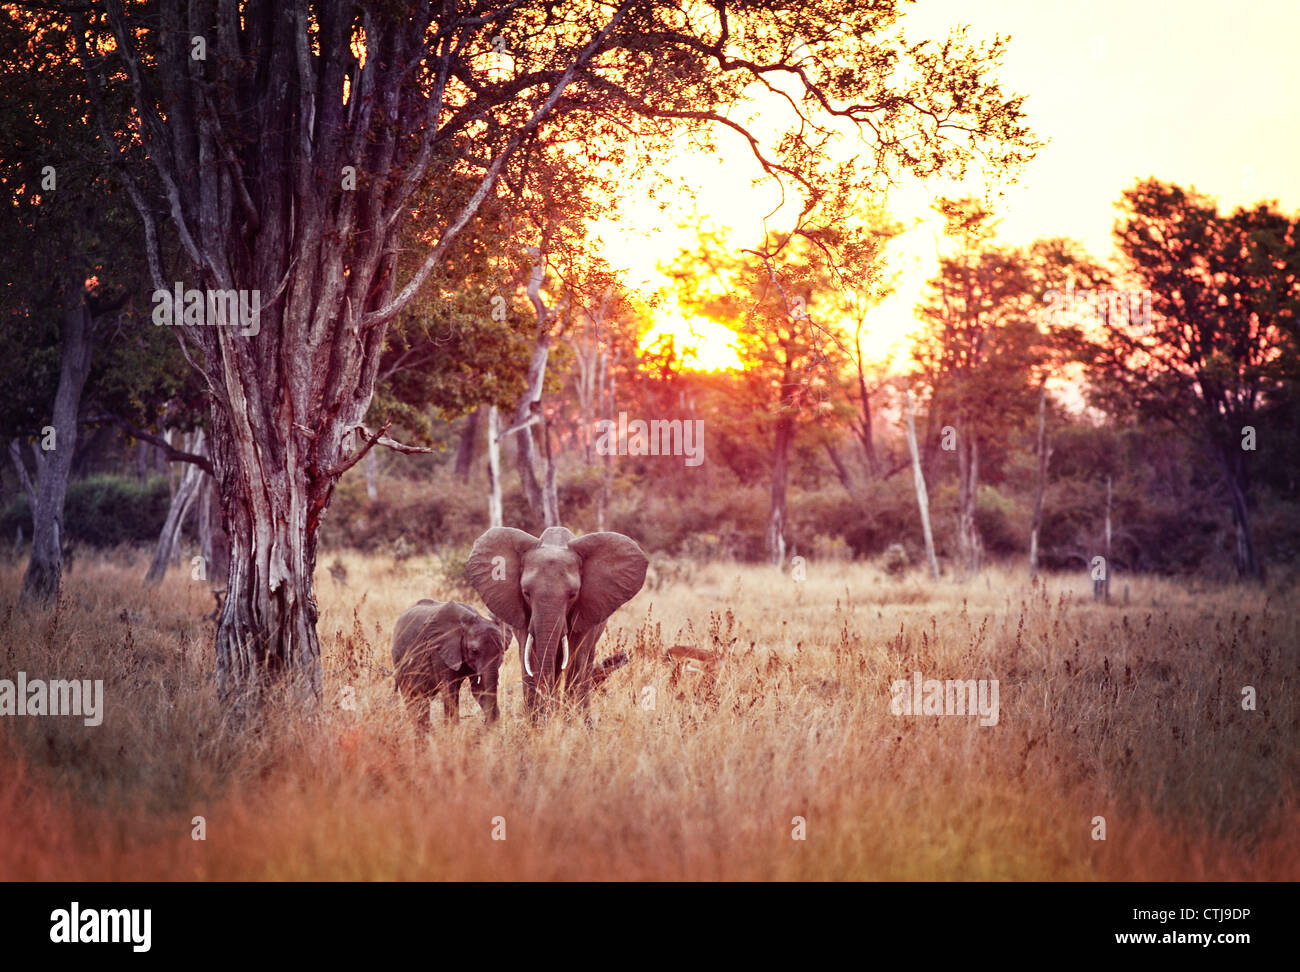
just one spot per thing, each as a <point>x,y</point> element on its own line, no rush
<point>101,511</point>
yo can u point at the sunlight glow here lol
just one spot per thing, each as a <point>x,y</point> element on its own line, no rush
<point>704,345</point>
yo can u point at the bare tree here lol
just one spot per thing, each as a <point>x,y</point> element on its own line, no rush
<point>184,499</point>
<point>52,457</point>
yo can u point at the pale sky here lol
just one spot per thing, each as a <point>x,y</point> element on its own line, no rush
<point>1200,94</point>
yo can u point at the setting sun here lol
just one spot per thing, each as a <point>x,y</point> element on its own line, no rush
<point>704,345</point>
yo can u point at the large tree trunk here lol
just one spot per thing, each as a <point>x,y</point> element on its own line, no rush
<point>1044,455</point>
<point>267,628</point>
<point>186,495</point>
<point>781,440</point>
<point>922,499</point>
<point>45,568</point>
<point>969,546</point>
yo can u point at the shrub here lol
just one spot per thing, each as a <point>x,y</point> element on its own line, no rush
<point>101,511</point>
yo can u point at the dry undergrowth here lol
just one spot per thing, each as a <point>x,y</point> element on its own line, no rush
<point>1131,712</point>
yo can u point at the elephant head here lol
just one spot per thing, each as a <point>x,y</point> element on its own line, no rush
<point>556,591</point>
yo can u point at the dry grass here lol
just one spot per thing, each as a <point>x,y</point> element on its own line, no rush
<point>1127,711</point>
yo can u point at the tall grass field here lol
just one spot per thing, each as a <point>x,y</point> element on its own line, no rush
<point>1153,737</point>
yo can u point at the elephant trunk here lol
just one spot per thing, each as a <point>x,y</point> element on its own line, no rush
<point>550,638</point>
<point>485,690</point>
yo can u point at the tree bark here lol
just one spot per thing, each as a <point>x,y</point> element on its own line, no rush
<point>468,439</point>
<point>271,506</point>
<point>1234,467</point>
<point>494,467</point>
<point>527,414</point>
<point>1044,456</point>
<point>841,471</point>
<point>781,440</point>
<point>371,463</point>
<point>865,432</point>
<point>1109,563</point>
<point>45,567</point>
<point>183,500</point>
<point>609,387</point>
<point>214,543</point>
<point>542,497</point>
<point>969,545</point>
<point>922,499</point>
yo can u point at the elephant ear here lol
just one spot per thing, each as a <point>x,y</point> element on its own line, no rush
<point>443,633</point>
<point>450,644</point>
<point>493,569</point>
<point>613,570</point>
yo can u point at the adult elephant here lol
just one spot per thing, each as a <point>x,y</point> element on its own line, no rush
<point>556,591</point>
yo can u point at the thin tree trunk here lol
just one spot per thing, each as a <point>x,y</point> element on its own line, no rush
<point>922,499</point>
<point>607,480</point>
<point>187,493</point>
<point>468,439</point>
<point>494,467</point>
<point>45,567</point>
<point>527,414</point>
<point>840,471</point>
<point>968,538</point>
<point>1246,561</point>
<point>550,493</point>
<point>780,474</point>
<point>1044,455</point>
<point>864,425</point>
<point>168,469</point>
<point>371,463</point>
<point>1247,564</point>
<point>1109,566</point>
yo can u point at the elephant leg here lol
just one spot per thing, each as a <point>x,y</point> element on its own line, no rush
<point>451,700</point>
<point>487,701</point>
<point>578,683</point>
<point>417,703</point>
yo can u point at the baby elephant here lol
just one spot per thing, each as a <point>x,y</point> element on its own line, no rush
<point>436,646</point>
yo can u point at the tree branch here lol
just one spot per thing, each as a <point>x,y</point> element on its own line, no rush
<point>172,453</point>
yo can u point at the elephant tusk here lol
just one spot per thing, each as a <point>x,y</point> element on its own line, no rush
<point>528,648</point>
<point>565,663</point>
